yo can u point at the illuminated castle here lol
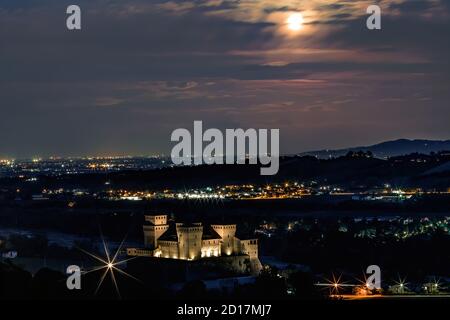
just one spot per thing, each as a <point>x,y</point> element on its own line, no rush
<point>193,241</point>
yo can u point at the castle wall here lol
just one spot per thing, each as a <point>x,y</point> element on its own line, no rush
<point>152,234</point>
<point>249,247</point>
<point>136,252</point>
<point>211,248</point>
<point>227,233</point>
<point>190,241</point>
<point>169,249</point>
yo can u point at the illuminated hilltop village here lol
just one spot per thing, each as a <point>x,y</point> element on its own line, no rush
<point>194,241</point>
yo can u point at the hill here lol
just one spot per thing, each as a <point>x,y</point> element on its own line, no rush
<point>388,148</point>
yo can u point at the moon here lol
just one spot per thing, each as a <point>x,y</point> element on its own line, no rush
<point>295,21</point>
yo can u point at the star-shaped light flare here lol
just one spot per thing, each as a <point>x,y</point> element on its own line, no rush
<point>109,265</point>
<point>335,285</point>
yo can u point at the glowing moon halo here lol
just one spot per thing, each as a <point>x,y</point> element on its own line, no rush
<point>295,21</point>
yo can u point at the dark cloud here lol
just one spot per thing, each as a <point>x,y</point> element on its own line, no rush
<point>413,6</point>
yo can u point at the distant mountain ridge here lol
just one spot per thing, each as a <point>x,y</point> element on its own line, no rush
<point>388,148</point>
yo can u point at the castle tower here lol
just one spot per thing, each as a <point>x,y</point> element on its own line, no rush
<point>227,233</point>
<point>154,228</point>
<point>190,240</point>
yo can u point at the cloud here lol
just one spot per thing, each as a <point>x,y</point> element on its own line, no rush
<point>107,101</point>
<point>138,69</point>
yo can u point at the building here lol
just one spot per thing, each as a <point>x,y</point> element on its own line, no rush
<point>193,241</point>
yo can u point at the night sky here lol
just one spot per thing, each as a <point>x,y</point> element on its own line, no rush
<point>139,69</point>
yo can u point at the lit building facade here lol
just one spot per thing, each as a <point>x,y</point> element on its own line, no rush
<point>192,241</point>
